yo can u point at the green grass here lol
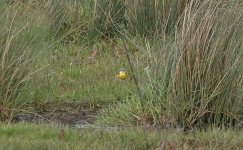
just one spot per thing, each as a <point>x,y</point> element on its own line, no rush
<point>22,40</point>
<point>32,136</point>
<point>187,58</point>
<point>72,78</point>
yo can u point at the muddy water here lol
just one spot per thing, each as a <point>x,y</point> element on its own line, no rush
<point>83,119</point>
<point>74,119</point>
<point>72,116</point>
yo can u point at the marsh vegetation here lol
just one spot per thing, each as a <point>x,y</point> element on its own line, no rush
<point>185,71</point>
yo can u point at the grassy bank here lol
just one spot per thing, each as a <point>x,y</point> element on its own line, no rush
<point>29,136</point>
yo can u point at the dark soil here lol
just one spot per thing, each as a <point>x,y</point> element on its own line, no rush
<point>76,115</point>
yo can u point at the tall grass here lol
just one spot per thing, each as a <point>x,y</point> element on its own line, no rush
<point>142,17</point>
<point>190,71</point>
<point>21,39</point>
<point>192,79</point>
<point>108,18</point>
<point>195,80</point>
<point>70,19</point>
<point>208,52</point>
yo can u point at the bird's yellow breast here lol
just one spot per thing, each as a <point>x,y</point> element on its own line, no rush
<point>122,75</point>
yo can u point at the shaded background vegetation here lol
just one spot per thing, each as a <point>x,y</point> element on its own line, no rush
<point>187,56</point>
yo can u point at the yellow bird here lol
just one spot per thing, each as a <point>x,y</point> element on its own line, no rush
<point>122,74</point>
